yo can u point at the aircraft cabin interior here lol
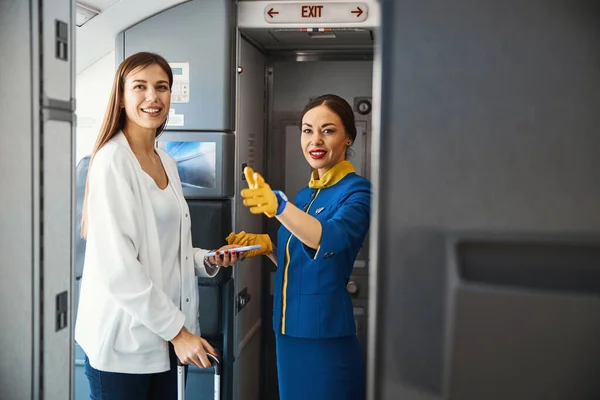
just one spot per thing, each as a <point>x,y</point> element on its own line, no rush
<point>242,74</point>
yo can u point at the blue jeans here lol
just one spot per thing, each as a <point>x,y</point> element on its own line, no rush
<point>119,386</point>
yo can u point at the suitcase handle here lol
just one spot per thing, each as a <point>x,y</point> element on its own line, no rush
<point>181,378</point>
<point>214,361</point>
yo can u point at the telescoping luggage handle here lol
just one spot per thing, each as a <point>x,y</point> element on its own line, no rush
<point>181,378</point>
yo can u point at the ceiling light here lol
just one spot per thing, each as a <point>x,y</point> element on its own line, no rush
<point>83,13</point>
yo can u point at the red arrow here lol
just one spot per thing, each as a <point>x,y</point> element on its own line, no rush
<point>358,12</point>
<point>271,12</point>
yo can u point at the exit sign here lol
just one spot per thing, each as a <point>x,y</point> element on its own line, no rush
<point>315,12</point>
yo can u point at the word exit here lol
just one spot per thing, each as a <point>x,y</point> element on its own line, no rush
<point>297,12</point>
<point>312,11</point>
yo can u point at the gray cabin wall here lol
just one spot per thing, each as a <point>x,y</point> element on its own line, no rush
<point>489,124</point>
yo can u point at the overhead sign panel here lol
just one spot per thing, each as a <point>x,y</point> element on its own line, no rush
<point>315,12</point>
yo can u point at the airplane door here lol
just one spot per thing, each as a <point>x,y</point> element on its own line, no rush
<point>57,238</point>
<point>36,200</point>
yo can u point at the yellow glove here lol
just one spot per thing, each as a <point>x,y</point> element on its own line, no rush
<point>251,239</point>
<point>259,196</point>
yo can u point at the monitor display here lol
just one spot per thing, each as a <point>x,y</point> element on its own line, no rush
<point>205,161</point>
<point>196,162</point>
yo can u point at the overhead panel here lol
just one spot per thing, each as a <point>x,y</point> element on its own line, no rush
<point>293,25</point>
<point>311,38</point>
<point>294,14</point>
<point>197,40</point>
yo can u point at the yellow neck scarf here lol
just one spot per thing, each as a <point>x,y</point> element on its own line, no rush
<point>331,177</point>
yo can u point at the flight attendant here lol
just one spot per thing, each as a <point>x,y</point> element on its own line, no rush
<point>318,353</point>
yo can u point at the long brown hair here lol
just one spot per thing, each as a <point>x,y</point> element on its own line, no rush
<point>114,119</point>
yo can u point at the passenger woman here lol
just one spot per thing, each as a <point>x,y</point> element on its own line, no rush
<point>318,353</point>
<point>138,304</point>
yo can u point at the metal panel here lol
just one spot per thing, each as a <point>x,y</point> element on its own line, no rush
<point>58,47</point>
<point>360,311</point>
<point>57,257</point>
<point>250,145</point>
<point>200,33</point>
<point>296,82</point>
<point>211,223</point>
<point>295,39</point>
<point>16,202</point>
<point>539,292</point>
<point>489,124</point>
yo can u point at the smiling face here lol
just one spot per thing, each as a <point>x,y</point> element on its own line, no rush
<point>146,98</point>
<point>324,139</point>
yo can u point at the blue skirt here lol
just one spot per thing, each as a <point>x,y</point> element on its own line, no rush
<point>320,369</point>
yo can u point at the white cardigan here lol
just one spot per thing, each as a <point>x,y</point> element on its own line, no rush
<point>125,318</point>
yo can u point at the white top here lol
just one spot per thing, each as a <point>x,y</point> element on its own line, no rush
<point>166,211</point>
<point>125,317</point>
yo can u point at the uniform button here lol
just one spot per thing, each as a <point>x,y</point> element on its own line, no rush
<point>186,215</point>
<point>186,257</point>
<point>187,300</point>
<point>305,205</point>
<point>312,194</point>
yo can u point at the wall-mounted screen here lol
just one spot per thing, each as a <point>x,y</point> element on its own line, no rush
<point>196,162</point>
<point>204,161</point>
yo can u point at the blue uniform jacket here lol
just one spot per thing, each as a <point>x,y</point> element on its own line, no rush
<point>310,299</point>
